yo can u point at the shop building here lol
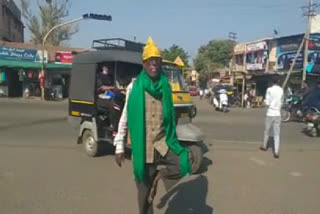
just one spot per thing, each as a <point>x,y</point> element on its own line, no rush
<point>286,50</point>
<point>21,65</point>
<point>11,26</point>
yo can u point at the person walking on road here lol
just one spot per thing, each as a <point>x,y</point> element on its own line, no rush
<point>148,116</point>
<point>273,101</point>
<point>201,93</point>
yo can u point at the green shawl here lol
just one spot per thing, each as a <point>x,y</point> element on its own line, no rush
<point>160,90</point>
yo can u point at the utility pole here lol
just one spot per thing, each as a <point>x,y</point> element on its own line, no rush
<point>310,13</point>
<point>293,63</point>
<point>233,38</point>
<point>244,77</point>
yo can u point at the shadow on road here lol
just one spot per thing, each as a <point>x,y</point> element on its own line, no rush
<point>270,143</point>
<point>32,123</point>
<point>189,198</point>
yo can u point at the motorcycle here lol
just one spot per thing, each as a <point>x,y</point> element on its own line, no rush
<point>235,100</point>
<point>313,122</point>
<point>54,93</point>
<point>221,103</point>
<point>293,109</point>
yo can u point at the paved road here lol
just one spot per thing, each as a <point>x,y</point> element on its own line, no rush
<point>245,126</point>
<point>42,170</point>
<point>32,122</point>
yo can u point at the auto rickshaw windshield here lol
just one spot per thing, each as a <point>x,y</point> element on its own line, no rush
<point>174,74</point>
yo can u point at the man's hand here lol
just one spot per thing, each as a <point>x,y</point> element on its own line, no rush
<point>119,159</point>
<point>106,88</point>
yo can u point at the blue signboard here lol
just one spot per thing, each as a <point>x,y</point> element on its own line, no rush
<point>287,48</point>
<point>9,53</point>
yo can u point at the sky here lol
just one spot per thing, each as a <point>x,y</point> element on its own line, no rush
<point>187,23</point>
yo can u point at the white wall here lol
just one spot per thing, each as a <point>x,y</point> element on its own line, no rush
<point>315,24</point>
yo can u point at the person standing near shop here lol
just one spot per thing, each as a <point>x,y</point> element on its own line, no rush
<point>273,101</point>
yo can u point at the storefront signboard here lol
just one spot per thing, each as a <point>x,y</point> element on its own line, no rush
<point>62,57</point>
<point>21,54</point>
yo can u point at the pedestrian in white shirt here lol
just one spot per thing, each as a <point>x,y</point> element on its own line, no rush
<point>273,101</point>
<point>201,94</point>
<point>206,93</point>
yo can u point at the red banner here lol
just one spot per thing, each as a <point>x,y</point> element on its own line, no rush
<point>63,57</point>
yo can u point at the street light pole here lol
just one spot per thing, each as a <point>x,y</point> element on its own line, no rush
<point>43,48</point>
<point>85,16</point>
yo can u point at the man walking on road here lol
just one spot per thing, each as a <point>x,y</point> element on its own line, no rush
<point>273,101</point>
<point>148,116</point>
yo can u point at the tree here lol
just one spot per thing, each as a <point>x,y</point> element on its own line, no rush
<point>50,13</point>
<point>173,52</point>
<point>213,56</point>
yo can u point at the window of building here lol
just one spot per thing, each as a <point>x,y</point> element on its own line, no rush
<point>250,58</point>
<point>239,59</point>
<point>256,57</point>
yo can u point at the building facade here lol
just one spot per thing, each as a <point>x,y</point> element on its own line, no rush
<point>11,26</point>
<point>287,48</point>
<point>239,58</point>
<point>265,58</point>
<point>257,55</point>
<point>21,65</point>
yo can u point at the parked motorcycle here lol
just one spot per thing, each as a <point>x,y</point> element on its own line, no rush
<point>54,93</point>
<point>235,100</point>
<point>313,122</point>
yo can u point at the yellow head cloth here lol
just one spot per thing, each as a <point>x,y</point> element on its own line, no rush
<point>150,50</point>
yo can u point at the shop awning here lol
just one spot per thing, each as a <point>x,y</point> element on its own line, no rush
<point>31,65</point>
<point>58,66</point>
<point>19,64</point>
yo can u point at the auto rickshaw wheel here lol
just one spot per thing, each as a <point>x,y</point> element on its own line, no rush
<point>194,112</point>
<point>197,157</point>
<point>90,145</point>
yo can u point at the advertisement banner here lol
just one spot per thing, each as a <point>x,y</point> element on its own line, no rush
<point>40,55</point>
<point>292,44</point>
<point>259,46</point>
<point>62,57</point>
<point>255,67</point>
<point>21,54</point>
<point>285,61</point>
<point>256,61</point>
<point>8,53</point>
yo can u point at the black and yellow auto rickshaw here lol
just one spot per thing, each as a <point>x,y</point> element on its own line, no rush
<point>126,63</point>
<point>180,96</point>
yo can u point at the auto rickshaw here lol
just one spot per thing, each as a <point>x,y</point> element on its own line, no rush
<point>180,96</point>
<point>126,64</point>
